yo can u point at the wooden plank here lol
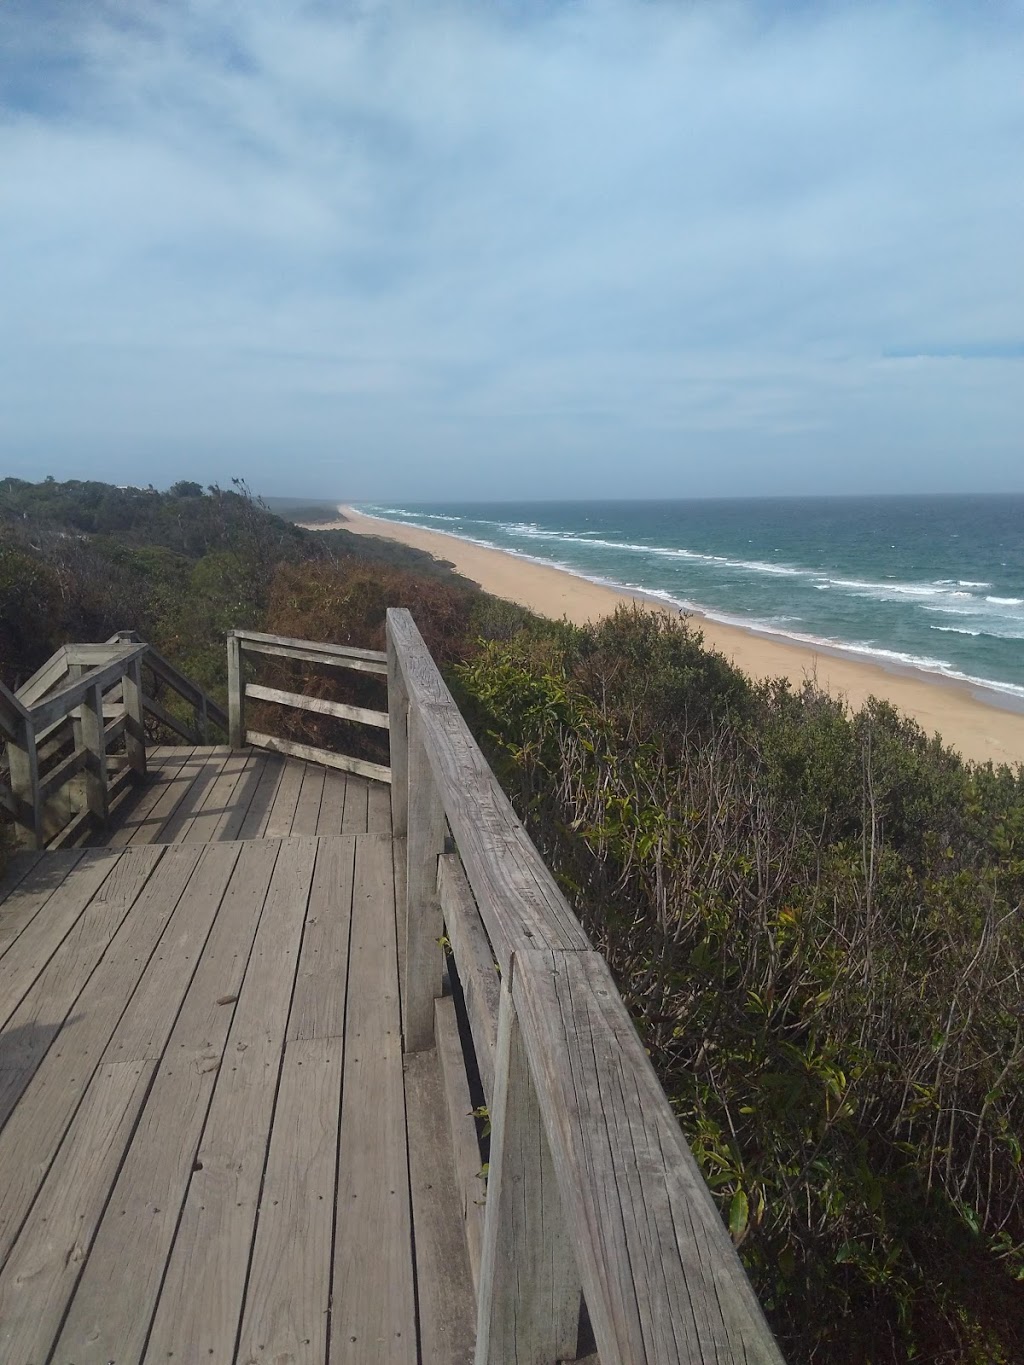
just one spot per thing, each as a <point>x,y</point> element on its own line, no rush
<point>55,990</point>
<point>109,1315</point>
<point>318,1005</point>
<point>279,821</point>
<point>44,1265</point>
<point>18,868</point>
<point>320,705</point>
<point>62,772</point>
<point>148,1017</point>
<point>134,709</point>
<point>73,693</point>
<point>354,819</point>
<point>237,807</point>
<point>315,755</point>
<point>398,742</point>
<point>373,1318</point>
<point>660,1274</point>
<point>307,808</point>
<point>463,1146</point>
<point>255,823</point>
<point>330,651</point>
<point>474,961</point>
<point>37,1125</point>
<point>43,679</point>
<point>185,794</point>
<point>529,1302</point>
<point>378,809</point>
<point>312,654</point>
<point>517,896</point>
<point>31,890</point>
<point>23,776</point>
<point>332,806</point>
<point>144,822</point>
<point>236,693</point>
<point>164,763</point>
<point>200,1304</point>
<point>26,957</point>
<point>424,957</point>
<point>288,1297</point>
<point>213,809</point>
<point>446,1299</point>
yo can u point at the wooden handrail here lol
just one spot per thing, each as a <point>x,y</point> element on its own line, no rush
<point>90,695</point>
<point>592,1187</point>
<point>242,642</point>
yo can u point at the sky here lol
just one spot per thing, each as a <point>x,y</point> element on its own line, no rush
<point>434,249</point>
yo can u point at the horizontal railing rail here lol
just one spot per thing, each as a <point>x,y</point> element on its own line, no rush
<point>248,642</point>
<point>593,1195</point>
<point>89,698</point>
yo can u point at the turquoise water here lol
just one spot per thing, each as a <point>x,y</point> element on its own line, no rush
<point>934,583</point>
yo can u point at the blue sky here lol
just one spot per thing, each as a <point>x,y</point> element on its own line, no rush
<point>439,249</point>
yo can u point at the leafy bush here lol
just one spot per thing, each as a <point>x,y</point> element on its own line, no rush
<point>816,921</point>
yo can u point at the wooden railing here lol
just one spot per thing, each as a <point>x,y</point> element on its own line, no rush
<point>249,642</point>
<point>61,727</point>
<point>593,1195</point>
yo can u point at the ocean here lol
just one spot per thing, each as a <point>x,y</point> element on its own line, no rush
<point>931,583</point>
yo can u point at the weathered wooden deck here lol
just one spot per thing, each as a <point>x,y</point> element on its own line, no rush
<point>250,1000</point>
<point>210,1148</point>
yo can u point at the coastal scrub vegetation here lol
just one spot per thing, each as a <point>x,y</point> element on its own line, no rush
<point>816,917</point>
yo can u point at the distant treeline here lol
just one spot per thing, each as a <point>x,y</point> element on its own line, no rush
<point>816,917</point>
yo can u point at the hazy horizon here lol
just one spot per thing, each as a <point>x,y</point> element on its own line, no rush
<point>440,251</point>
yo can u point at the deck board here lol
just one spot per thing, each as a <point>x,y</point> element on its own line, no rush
<point>203,1126</point>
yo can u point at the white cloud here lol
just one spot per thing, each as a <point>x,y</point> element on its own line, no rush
<point>465,249</point>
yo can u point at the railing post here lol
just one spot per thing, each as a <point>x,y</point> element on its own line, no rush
<point>202,719</point>
<point>424,926</point>
<point>134,730</point>
<point>529,1301</point>
<point>94,740</point>
<point>236,693</point>
<point>398,739</point>
<point>23,761</point>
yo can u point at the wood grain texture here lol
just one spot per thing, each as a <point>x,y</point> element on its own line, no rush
<point>59,1078</point>
<point>255,823</point>
<point>662,1280</point>
<point>373,1320</point>
<point>474,961</point>
<point>424,957</point>
<point>327,757</point>
<point>201,1299</point>
<point>321,706</point>
<point>288,1296</point>
<point>318,1003</point>
<point>378,809</point>
<point>112,1307</point>
<point>44,1265</point>
<point>307,808</point>
<point>353,820</point>
<point>529,1299</point>
<point>332,804</point>
<point>28,886</point>
<point>446,1298</point>
<point>42,936</point>
<point>138,811</point>
<point>518,900</point>
<point>462,1144</point>
<point>313,654</point>
<point>286,798</point>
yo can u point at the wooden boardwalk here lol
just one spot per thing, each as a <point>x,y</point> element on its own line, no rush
<point>210,1148</point>
<point>252,999</point>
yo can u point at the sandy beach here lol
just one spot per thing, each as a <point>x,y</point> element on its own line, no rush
<point>980,731</point>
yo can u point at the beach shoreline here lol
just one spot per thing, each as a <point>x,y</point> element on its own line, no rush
<point>982,726</point>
